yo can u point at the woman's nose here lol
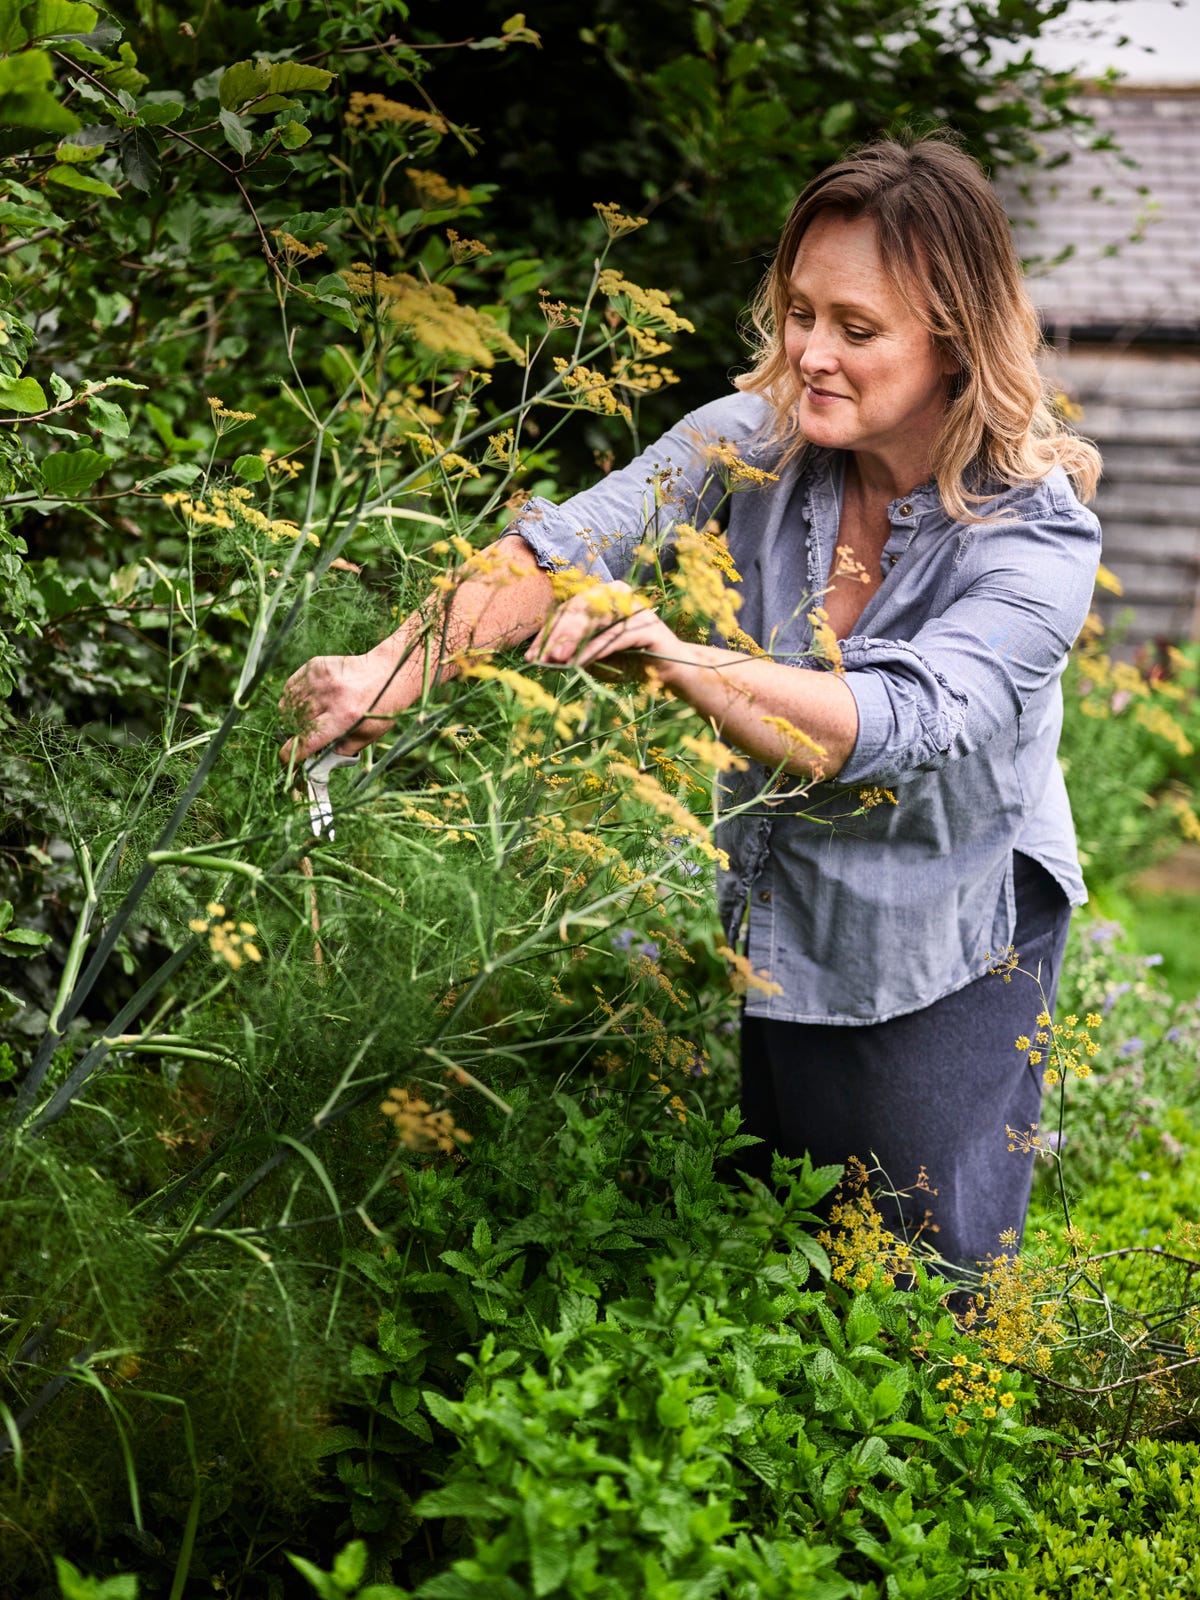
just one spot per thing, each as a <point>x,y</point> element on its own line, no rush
<point>819,354</point>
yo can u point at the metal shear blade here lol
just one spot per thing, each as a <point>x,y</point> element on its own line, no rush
<point>316,779</point>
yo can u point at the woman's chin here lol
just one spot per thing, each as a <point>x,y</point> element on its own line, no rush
<point>821,432</point>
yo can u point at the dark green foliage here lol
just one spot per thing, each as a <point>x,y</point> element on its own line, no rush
<point>710,117</point>
<point>1128,751</point>
<point>242,1312</point>
<point>1124,1526</point>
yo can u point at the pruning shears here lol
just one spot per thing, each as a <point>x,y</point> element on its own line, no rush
<point>316,780</point>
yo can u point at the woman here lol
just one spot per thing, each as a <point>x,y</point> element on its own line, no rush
<point>923,488</point>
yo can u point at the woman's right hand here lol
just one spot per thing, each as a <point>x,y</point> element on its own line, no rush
<point>344,701</point>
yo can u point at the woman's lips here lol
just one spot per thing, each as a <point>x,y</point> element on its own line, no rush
<point>822,397</point>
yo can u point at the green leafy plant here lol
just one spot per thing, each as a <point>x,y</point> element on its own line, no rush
<point>376,1193</point>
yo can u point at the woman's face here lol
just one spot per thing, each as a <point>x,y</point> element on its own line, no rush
<point>869,376</point>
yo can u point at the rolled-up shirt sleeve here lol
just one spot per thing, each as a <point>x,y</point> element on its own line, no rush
<point>1024,590</point>
<point>677,479</point>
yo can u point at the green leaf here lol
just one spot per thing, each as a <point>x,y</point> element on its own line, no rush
<point>67,473</point>
<point>13,33</point>
<point>309,225</point>
<point>74,151</point>
<point>340,310</point>
<point>108,418</point>
<point>460,1499</point>
<point>51,19</point>
<point>861,1322</point>
<point>762,1464</point>
<point>414,1422</point>
<point>236,132</point>
<point>124,580</point>
<point>26,97</point>
<point>72,178</point>
<point>813,1253</point>
<point>441,1410</point>
<point>251,469</point>
<point>332,1441</point>
<point>838,118</point>
<point>268,84</point>
<point>139,159</point>
<point>75,1586</point>
<point>293,77</point>
<point>22,395</point>
<point>28,217</point>
<point>26,941</point>
<point>405,1397</point>
<point>10,1004</point>
<point>364,1362</point>
<point>244,80</point>
<point>320,1581</point>
<point>293,134</point>
<point>6,914</point>
<point>156,113</point>
<point>350,1566</point>
<point>549,1560</point>
<point>272,172</point>
<point>178,477</point>
<point>907,1430</point>
<point>886,1397</point>
<point>172,442</point>
<point>126,80</point>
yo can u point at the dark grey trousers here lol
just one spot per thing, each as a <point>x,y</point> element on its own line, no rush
<point>926,1097</point>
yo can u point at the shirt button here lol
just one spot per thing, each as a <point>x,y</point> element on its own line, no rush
<point>892,560</point>
<point>765,896</point>
<point>906,510</point>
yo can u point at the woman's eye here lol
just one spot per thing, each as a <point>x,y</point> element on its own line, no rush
<point>861,334</point>
<point>800,316</point>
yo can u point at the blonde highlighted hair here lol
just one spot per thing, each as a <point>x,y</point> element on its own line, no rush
<point>946,243</point>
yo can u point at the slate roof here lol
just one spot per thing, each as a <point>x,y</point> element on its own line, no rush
<point>1134,270</point>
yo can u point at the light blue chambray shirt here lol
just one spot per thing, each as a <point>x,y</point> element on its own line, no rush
<point>955,668</point>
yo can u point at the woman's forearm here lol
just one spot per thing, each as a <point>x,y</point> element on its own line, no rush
<point>805,719</point>
<point>503,598</point>
<point>349,701</point>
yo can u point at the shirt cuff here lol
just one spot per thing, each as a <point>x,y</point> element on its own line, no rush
<point>909,716</point>
<point>556,546</point>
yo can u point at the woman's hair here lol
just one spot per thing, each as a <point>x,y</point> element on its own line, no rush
<point>946,243</point>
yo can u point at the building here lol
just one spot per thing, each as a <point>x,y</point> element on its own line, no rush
<point>1112,243</point>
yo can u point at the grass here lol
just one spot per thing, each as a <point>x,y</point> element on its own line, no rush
<point>1168,923</point>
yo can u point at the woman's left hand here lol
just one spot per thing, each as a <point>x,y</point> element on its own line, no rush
<point>602,621</point>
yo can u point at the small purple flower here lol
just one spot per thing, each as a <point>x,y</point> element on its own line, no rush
<point>1144,1177</point>
<point>693,869</point>
<point>1130,1047</point>
<point>1114,994</point>
<point>1172,1036</point>
<point>1152,961</point>
<point>1104,932</point>
<point>727,1027</point>
<point>623,940</point>
<point>649,949</point>
<point>696,1066</point>
<point>1055,1140</point>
